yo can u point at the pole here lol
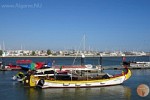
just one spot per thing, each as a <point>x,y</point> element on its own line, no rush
<point>87,75</point>
<point>82,59</point>
<point>101,61</point>
<point>71,75</point>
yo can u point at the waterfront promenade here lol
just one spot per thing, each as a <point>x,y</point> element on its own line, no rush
<point>76,56</point>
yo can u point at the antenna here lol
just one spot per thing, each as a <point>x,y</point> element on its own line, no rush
<point>21,46</point>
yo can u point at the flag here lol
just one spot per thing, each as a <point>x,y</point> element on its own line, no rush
<point>61,68</point>
<point>32,66</point>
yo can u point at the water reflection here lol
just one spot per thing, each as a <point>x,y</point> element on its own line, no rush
<point>112,92</point>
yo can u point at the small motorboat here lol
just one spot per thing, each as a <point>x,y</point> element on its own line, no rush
<point>20,76</point>
<point>4,67</point>
<point>12,67</point>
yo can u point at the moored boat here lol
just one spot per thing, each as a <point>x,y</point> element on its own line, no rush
<point>20,76</point>
<point>140,64</point>
<point>83,79</point>
<point>29,65</point>
<point>12,67</point>
<point>4,67</point>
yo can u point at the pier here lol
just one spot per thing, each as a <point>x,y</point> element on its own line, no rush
<point>120,68</point>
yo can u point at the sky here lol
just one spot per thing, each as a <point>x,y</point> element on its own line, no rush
<point>109,25</point>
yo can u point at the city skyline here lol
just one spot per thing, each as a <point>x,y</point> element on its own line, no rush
<point>57,24</point>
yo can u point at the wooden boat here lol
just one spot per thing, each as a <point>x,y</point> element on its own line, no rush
<point>75,81</point>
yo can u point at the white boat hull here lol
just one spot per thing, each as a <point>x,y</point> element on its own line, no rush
<point>76,84</point>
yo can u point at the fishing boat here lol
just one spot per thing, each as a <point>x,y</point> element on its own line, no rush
<point>77,78</point>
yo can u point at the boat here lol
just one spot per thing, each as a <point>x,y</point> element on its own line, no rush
<point>64,68</point>
<point>20,76</point>
<point>77,78</point>
<point>139,64</point>
<point>4,67</point>
<point>136,64</point>
<point>29,65</point>
<point>12,67</point>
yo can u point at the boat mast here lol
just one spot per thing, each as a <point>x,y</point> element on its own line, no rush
<point>3,49</point>
<point>82,59</point>
<point>84,43</point>
<point>83,51</point>
<point>100,60</point>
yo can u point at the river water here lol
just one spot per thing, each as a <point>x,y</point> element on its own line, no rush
<point>11,90</point>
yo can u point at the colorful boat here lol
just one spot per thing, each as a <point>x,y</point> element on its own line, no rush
<point>82,80</point>
<point>29,65</point>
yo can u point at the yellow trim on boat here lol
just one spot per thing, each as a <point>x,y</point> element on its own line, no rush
<point>32,81</point>
<point>81,82</point>
<point>128,75</point>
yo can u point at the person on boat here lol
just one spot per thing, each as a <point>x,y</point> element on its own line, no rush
<point>106,76</point>
<point>30,72</point>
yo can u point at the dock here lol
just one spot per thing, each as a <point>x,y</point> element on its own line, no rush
<point>121,67</point>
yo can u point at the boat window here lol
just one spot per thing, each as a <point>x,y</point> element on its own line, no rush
<point>49,72</point>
